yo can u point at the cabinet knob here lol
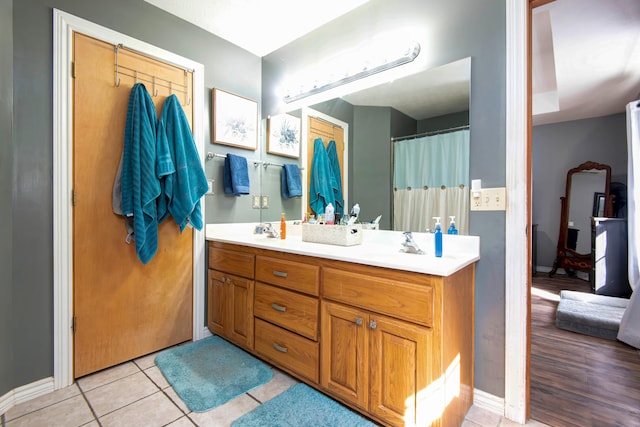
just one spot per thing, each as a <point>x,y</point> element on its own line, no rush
<point>280,348</point>
<point>223,279</point>
<point>359,321</point>
<point>373,324</point>
<point>228,280</point>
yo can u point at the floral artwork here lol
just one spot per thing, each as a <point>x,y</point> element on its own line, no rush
<point>284,135</point>
<point>235,120</point>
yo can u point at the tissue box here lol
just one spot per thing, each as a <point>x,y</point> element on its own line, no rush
<point>340,235</point>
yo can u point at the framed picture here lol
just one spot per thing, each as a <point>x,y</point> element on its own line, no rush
<point>598,205</point>
<point>283,135</point>
<point>235,120</point>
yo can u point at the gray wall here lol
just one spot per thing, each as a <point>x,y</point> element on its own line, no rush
<point>444,122</point>
<point>30,264</point>
<point>456,29</point>
<point>7,382</point>
<point>558,147</point>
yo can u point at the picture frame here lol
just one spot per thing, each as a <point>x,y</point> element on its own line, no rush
<point>598,205</point>
<point>234,120</point>
<point>283,135</point>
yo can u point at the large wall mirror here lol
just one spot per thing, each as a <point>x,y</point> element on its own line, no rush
<point>587,195</point>
<point>430,102</point>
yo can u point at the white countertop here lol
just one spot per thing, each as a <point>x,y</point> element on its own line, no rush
<point>379,248</point>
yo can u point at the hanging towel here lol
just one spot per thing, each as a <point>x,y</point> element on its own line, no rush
<point>236,175</point>
<point>183,188</point>
<point>336,177</point>
<point>290,184</point>
<point>320,189</point>
<point>140,181</point>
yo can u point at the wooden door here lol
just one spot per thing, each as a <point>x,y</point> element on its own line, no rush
<point>216,307</point>
<point>402,387</point>
<point>122,308</point>
<point>240,311</point>
<point>344,353</point>
<point>318,128</point>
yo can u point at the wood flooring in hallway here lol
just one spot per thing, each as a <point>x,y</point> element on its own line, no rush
<point>578,380</point>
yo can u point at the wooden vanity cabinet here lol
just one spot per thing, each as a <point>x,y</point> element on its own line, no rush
<point>230,295</point>
<point>392,344</point>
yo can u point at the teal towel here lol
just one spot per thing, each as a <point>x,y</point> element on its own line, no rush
<point>320,188</point>
<point>140,181</point>
<point>336,177</point>
<point>290,183</point>
<point>182,189</point>
<point>235,175</point>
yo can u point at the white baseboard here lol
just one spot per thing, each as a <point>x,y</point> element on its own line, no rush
<point>205,333</point>
<point>488,401</point>
<point>25,393</point>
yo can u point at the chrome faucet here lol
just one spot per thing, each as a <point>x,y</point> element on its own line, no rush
<point>270,231</point>
<point>409,246</point>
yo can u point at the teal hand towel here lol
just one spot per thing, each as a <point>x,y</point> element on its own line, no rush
<point>336,177</point>
<point>290,183</point>
<point>140,183</point>
<point>182,189</point>
<point>320,188</point>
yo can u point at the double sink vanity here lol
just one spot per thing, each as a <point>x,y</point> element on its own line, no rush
<point>387,333</point>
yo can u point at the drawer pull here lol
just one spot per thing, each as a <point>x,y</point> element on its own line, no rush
<point>373,324</point>
<point>359,321</point>
<point>280,348</point>
<point>278,307</point>
<point>280,273</point>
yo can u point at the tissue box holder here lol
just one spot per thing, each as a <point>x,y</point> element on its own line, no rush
<point>339,235</point>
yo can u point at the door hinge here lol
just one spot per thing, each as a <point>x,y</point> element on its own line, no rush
<point>73,197</point>
<point>73,70</point>
<point>74,324</point>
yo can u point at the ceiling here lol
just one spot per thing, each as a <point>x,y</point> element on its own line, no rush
<point>586,53</point>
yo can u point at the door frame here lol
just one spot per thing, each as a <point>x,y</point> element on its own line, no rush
<point>64,25</point>
<point>517,219</point>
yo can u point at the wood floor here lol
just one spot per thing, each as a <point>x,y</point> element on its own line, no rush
<point>578,380</point>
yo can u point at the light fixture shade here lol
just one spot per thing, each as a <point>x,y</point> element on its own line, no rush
<point>367,69</point>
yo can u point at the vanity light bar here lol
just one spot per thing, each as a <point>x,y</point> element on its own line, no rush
<point>410,54</point>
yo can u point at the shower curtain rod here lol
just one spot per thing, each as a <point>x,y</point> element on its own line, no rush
<point>435,132</point>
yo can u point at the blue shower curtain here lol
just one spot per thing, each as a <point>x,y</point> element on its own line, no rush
<point>431,179</point>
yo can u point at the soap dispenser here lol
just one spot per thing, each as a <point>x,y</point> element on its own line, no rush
<point>437,236</point>
<point>452,226</point>
<point>329,217</point>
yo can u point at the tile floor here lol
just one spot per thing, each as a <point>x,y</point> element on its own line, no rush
<point>136,394</point>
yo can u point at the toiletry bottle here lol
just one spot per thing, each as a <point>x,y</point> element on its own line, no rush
<point>437,236</point>
<point>452,226</point>
<point>283,227</point>
<point>328,215</point>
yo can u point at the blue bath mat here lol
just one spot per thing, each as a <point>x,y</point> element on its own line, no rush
<point>210,372</point>
<point>302,405</point>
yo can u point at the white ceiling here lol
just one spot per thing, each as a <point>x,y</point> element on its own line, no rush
<point>586,56</point>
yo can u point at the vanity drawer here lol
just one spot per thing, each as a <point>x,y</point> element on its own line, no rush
<point>288,274</point>
<point>234,262</point>
<point>293,311</point>
<point>402,300</point>
<point>287,349</point>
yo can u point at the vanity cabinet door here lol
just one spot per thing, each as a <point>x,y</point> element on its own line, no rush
<point>344,352</point>
<point>230,312</point>
<point>400,360</point>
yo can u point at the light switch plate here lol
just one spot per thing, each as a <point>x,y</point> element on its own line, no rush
<point>211,186</point>
<point>255,201</point>
<point>491,199</point>
<point>265,202</point>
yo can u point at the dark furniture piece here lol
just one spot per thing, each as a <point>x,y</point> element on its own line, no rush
<point>609,257</point>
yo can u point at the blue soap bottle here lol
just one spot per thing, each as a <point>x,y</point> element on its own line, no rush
<point>437,236</point>
<point>452,226</point>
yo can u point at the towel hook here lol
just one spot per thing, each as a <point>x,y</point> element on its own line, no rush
<point>186,87</point>
<point>155,90</point>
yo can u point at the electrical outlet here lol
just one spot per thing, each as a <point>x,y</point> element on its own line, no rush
<point>255,201</point>
<point>265,202</point>
<point>211,188</point>
<point>491,199</point>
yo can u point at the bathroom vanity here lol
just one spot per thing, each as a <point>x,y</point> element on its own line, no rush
<point>389,334</point>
